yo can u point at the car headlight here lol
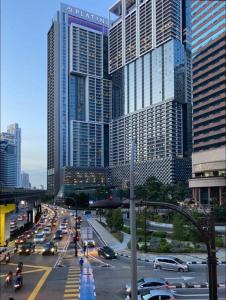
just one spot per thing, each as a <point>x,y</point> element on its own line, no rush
<point>52,249</point>
<point>107,255</point>
<point>27,250</point>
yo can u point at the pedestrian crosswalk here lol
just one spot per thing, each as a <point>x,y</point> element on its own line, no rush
<point>72,284</point>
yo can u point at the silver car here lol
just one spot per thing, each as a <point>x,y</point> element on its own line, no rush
<point>147,284</point>
<point>170,263</point>
<point>158,294</point>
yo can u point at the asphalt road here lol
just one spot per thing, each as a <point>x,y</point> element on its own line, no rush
<point>110,280</point>
<point>43,278</point>
<point>47,277</point>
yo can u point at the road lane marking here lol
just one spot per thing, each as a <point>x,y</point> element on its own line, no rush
<point>39,284</point>
<point>30,266</point>
<point>66,291</point>
<point>71,295</point>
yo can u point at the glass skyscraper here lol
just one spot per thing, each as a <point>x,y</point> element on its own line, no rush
<point>79,95</point>
<point>150,65</point>
<point>209,101</point>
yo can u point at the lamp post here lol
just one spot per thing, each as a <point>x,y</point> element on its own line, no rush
<point>133,229</point>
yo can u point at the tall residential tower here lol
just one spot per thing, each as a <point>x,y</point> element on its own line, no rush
<point>79,98</point>
<point>209,101</point>
<point>150,65</point>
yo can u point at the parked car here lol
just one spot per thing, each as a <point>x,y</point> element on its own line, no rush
<point>26,248</point>
<point>170,263</point>
<point>107,252</point>
<point>147,284</point>
<point>39,238</point>
<point>58,235</point>
<point>158,295</point>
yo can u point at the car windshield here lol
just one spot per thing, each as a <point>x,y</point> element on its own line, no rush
<point>39,236</point>
<point>141,280</point>
<point>179,261</point>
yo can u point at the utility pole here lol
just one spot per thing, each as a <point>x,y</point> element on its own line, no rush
<point>145,229</point>
<point>133,228</point>
<point>212,259</point>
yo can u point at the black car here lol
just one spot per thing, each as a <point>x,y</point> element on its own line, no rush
<point>49,249</point>
<point>58,235</point>
<point>107,252</point>
<point>26,248</point>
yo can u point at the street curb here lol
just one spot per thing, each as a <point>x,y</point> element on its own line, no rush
<point>193,285</point>
<point>188,262</point>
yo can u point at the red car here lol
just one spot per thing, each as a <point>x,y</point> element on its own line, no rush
<point>20,240</point>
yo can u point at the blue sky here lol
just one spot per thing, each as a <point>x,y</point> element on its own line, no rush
<point>24,63</point>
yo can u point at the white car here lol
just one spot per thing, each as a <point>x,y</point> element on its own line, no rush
<point>63,228</point>
<point>47,230</point>
<point>90,243</point>
<point>39,238</point>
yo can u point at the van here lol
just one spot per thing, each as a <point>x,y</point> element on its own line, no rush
<point>170,263</point>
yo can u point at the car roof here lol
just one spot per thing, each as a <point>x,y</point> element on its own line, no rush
<point>160,293</point>
<point>148,279</point>
<point>166,257</point>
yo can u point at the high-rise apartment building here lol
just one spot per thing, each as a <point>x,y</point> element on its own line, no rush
<point>209,100</point>
<point>8,162</point>
<point>79,97</point>
<point>25,181</point>
<point>16,132</point>
<point>150,65</point>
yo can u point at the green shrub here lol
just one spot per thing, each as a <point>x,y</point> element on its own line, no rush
<point>126,229</point>
<point>219,242</point>
<point>161,234</point>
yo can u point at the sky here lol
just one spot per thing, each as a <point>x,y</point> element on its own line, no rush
<point>24,27</point>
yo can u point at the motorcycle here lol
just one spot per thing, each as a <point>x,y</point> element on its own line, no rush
<point>19,268</point>
<point>18,283</point>
<point>7,258</point>
<point>8,280</point>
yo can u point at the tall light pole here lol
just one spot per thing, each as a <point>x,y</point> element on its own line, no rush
<point>133,228</point>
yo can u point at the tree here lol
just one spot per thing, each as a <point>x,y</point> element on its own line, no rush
<point>109,218</point>
<point>117,220</point>
<point>179,228</point>
<point>153,187</point>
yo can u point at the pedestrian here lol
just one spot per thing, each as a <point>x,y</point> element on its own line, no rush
<point>84,248</point>
<point>81,262</point>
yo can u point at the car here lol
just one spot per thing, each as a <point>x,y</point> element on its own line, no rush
<point>158,295</point>
<point>20,240</point>
<point>147,284</point>
<point>58,235</point>
<point>20,218</point>
<point>47,230</point>
<point>170,263</point>
<point>26,248</point>
<point>63,228</point>
<point>28,234</point>
<point>90,243</point>
<point>39,248</point>
<point>107,252</point>
<point>49,249</point>
<point>39,238</point>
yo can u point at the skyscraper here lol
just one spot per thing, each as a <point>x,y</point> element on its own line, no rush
<point>25,181</point>
<point>150,65</point>
<point>8,162</point>
<point>79,97</point>
<point>209,101</point>
<point>16,132</point>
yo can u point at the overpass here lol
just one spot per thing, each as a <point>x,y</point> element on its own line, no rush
<point>9,200</point>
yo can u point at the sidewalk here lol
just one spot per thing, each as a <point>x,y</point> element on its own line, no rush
<point>121,248</point>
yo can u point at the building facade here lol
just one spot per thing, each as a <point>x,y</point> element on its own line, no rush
<point>79,93</point>
<point>150,65</point>
<point>8,163</point>
<point>16,132</point>
<point>209,101</point>
<point>25,180</point>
